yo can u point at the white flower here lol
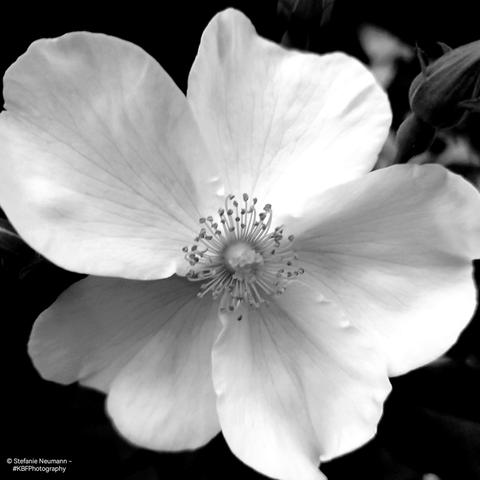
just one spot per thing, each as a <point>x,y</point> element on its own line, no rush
<point>105,169</point>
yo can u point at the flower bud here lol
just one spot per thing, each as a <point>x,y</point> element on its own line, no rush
<point>448,88</point>
<point>414,136</point>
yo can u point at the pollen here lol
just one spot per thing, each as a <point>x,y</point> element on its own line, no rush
<point>241,255</point>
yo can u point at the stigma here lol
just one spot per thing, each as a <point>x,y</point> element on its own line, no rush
<point>241,255</point>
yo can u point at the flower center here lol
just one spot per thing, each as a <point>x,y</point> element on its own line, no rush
<point>239,255</point>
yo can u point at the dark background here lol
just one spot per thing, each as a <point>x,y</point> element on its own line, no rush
<point>432,418</point>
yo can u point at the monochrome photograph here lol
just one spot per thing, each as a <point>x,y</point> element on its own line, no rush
<point>241,239</point>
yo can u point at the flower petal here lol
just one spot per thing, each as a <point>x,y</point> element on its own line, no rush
<point>295,383</point>
<point>394,249</point>
<point>164,399</point>
<point>156,337</point>
<point>283,124</point>
<point>102,167</point>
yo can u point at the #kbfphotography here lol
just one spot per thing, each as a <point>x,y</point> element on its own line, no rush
<point>239,240</point>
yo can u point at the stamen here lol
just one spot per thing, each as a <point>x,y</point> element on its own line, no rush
<point>242,258</point>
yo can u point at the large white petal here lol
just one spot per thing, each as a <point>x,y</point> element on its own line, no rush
<point>284,125</point>
<point>394,249</point>
<point>295,384</point>
<point>102,167</point>
<point>156,337</point>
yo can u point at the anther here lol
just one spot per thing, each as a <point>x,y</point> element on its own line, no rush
<point>247,263</point>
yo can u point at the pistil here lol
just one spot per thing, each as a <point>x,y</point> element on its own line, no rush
<point>241,256</point>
